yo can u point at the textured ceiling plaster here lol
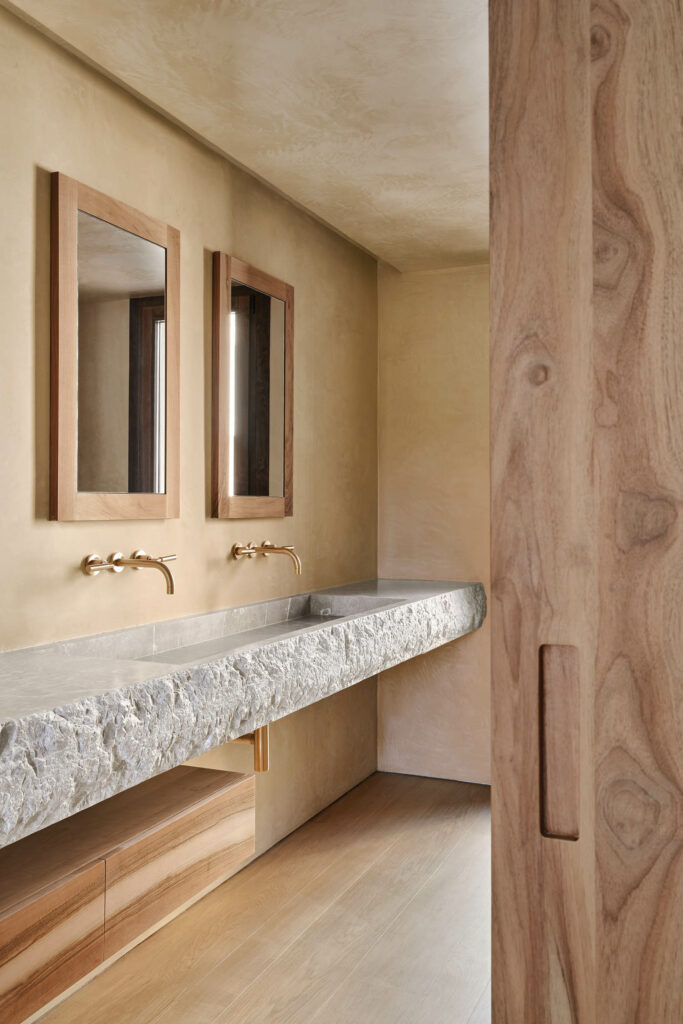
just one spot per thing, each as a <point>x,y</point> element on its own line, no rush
<point>373,115</point>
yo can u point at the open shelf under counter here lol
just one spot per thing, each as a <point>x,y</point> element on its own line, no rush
<point>80,892</point>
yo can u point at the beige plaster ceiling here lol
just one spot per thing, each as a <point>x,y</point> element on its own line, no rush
<point>372,114</point>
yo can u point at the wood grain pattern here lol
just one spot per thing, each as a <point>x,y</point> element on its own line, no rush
<point>97,204</point>
<point>42,859</point>
<point>542,588</point>
<point>239,506</point>
<point>49,941</point>
<point>315,862</point>
<point>223,504</point>
<point>152,874</point>
<point>63,357</point>
<point>255,278</point>
<point>143,853</point>
<point>638,309</point>
<point>367,890</point>
<point>560,699</point>
<point>402,976</point>
<point>66,501</point>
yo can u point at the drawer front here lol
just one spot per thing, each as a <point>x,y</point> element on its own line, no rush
<point>150,877</point>
<point>50,941</point>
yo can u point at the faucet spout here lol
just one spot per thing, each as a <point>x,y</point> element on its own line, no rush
<point>289,550</point>
<point>160,564</point>
<point>141,560</point>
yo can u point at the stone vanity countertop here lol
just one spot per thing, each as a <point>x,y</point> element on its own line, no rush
<point>83,719</point>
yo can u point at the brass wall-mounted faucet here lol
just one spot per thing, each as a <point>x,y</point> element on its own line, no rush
<point>92,565</point>
<point>266,548</point>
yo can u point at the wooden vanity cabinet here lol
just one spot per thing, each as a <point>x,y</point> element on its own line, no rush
<point>156,870</point>
<point>49,940</point>
<point>81,892</point>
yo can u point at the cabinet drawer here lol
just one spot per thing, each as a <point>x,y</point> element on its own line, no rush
<point>49,941</point>
<point>82,890</point>
<point>156,872</point>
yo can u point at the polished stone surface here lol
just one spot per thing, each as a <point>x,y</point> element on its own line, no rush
<point>84,719</point>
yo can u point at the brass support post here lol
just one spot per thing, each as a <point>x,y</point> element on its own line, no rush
<point>259,739</point>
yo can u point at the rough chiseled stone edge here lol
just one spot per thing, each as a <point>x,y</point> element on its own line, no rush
<point>55,763</point>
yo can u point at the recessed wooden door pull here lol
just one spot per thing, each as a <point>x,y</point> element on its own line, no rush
<point>559,737</point>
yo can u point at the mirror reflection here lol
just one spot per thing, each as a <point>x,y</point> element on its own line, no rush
<point>121,360</point>
<point>257,393</point>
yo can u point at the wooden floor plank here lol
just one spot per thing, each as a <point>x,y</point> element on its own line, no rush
<point>149,978</point>
<point>299,983</point>
<point>482,1011</point>
<point>277,941</point>
<point>207,998</point>
<point>433,959</point>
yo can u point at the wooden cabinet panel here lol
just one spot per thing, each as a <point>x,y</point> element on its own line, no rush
<point>79,892</point>
<point>49,941</point>
<point>155,873</point>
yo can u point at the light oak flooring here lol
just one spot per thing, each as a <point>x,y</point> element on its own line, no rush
<point>377,911</point>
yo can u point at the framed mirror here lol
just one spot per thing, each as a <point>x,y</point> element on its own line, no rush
<point>253,381</point>
<point>114,376</point>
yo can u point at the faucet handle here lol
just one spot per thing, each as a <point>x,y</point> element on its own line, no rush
<point>240,550</point>
<point>139,556</point>
<point>93,564</point>
<point>142,556</point>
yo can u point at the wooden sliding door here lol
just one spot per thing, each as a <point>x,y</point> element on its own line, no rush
<point>587,536</point>
<point>542,608</point>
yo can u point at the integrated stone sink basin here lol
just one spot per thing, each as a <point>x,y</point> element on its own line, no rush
<point>83,719</point>
<point>305,612</point>
<point>223,646</point>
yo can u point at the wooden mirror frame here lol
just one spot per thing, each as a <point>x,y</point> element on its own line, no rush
<point>223,504</point>
<point>66,501</point>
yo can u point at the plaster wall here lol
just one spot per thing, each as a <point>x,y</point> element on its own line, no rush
<point>434,519</point>
<point>61,115</point>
